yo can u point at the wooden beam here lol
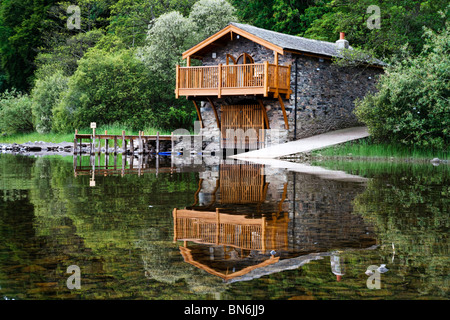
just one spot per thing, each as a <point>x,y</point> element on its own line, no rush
<point>277,85</point>
<point>225,31</point>
<point>266,119</point>
<point>177,81</point>
<point>286,123</point>
<point>203,92</point>
<point>215,112</point>
<point>219,85</point>
<point>266,78</point>
<point>198,113</point>
<point>175,229</point>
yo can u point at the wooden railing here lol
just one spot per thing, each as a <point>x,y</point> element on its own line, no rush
<point>238,231</point>
<point>280,79</point>
<point>235,235</point>
<point>257,78</point>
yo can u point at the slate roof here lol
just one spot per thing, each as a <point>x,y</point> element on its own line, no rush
<point>295,43</point>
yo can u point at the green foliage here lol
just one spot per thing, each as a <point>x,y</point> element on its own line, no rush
<point>106,88</point>
<point>170,35</point>
<point>15,113</point>
<point>21,23</point>
<point>130,20</point>
<point>412,103</point>
<point>64,56</point>
<point>210,16</point>
<point>45,96</point>
<point>286,16</point>
<point>401,22</point>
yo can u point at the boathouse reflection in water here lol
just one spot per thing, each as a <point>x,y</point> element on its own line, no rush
<point>248,220</point>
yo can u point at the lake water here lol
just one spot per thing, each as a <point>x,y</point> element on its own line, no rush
<point>223,230</point>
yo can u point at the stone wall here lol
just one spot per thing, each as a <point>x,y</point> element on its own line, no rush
<point>325,94</point>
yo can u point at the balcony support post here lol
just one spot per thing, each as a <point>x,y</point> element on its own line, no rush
<point>177,89</point>
<point>286,123</point>
<point>219,85</point>
<point>277,85</point>
<point>198,113</point>
<point>266,78</point>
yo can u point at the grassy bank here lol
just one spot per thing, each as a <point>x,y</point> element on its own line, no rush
<point>68,137</point>
<point>365,148</point>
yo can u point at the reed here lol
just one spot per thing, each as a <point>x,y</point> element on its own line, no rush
<point>365,148</point>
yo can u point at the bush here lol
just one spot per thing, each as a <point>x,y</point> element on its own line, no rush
<point>15,113</point>
<point>45,96</point>
<point>412,103</point>
<point>107,88</point>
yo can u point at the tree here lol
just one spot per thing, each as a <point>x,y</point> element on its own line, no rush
<point>412,103</point>
<point>130,20</point>
<point>210,16</point>
<point>106,88</point>
<point>65,56</point>
<point>286,16</point>
<point>21,23</point>
<point>167,39</point>
<point>401,22</point>
<point>29,27</point>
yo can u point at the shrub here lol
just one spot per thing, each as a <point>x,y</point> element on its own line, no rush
<point>412,103</point>
<point>15,113</point>
<point>45,96</point>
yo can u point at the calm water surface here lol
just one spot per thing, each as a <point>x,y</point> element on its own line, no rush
<point>226,230</point>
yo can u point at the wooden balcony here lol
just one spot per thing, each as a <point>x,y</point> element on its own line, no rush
<point>230,80</point>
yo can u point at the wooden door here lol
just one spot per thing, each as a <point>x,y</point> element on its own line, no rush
<point>245,73</point>
<point>242,127</point>
<point>242,183</point>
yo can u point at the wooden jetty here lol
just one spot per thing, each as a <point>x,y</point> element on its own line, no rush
<point>130,141</point>
<point>126,167</point>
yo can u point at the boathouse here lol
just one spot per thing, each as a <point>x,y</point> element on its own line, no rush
<point>252,81</point>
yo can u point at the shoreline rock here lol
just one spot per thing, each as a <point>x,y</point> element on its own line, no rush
<point>65,148</point>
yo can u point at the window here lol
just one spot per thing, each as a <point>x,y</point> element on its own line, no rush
<point>244,59</point>
<point>230,59</point>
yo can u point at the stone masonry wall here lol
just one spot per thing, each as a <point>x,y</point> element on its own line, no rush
<point>326,94</point>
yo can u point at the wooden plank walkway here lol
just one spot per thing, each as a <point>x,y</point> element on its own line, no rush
<point>305,145</point>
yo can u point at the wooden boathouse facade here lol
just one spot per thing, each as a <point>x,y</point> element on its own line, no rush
<point>252,78</point>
